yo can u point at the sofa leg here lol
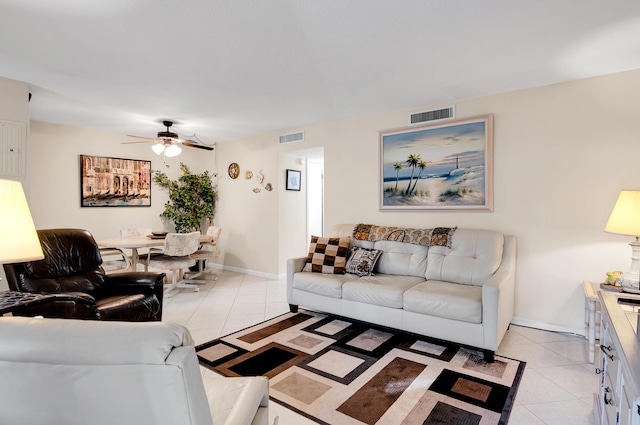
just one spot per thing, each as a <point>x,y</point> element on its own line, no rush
<point>293,308</point>
<point>489,356</point>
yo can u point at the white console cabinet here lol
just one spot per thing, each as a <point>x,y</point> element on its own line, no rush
<point>618,397</point>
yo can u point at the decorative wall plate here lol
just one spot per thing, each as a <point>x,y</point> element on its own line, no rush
<point>234,170</point>
<point>248,175</point>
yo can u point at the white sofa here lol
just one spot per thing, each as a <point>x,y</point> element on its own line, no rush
<point>68,372</point>
<point>463,294</point>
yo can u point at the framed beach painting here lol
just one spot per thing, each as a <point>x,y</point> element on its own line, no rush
<point>114,182</point>
<point>442,166</point>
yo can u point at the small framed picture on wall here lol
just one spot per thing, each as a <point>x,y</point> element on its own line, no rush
<point>293,179</point>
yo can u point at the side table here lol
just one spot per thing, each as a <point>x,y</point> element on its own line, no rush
<point>13,300</point>
<point>591,315</point>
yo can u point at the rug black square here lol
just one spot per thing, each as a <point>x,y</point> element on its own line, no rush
<point>340,371</point>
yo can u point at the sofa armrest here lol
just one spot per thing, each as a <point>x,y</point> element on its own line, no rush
<point>136,283</point>
<point>294,265</point>
<point>498,296</point>
<point>184,357</point>
<point>140,279</point>
<point>237,400</point>
<point>68,305</point>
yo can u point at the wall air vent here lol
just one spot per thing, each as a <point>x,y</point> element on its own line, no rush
<point>432,115</point>
<point>291,138</point>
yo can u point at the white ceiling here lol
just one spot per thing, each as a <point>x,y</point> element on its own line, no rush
<point>229,68</point>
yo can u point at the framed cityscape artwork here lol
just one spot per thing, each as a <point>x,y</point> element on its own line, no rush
<point>114,182</point>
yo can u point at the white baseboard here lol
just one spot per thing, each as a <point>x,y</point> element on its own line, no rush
<point>249,272</point>
<point>547,326</point>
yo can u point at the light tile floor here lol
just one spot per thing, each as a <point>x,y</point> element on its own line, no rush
<point>557,387</point>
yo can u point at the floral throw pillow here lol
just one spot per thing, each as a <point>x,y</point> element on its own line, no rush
<point>327,255</point>
<point>362,261</point>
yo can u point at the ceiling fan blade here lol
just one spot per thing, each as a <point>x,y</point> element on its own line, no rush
<point>141,137</point>
<point>193,144</point>
<point>133,143</point>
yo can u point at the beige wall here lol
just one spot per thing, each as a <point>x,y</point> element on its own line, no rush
<point>14,102</point>
<point>54,177</point>
<point>14,106</point>
<point>292,219</point>
<point>249,219</point>
<point>561,155</point>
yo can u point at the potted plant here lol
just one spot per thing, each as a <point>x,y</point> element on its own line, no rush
<point>191,199</point>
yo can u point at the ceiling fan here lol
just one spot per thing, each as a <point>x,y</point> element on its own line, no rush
<point>169,142</point>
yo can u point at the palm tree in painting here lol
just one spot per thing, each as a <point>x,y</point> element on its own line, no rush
<point>397,166</point>
<point>422,164</point>
<point>412,161</point>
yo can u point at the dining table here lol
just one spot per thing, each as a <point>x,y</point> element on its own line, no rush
<point>139,242</point>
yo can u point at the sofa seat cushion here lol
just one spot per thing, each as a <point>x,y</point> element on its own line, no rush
<point>328,285</point>
<point>382,290</point>
<point>445,299</point>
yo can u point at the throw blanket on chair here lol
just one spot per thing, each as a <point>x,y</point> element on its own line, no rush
<point>439,236</point>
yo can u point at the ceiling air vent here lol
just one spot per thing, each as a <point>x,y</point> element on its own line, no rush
<point>432,115</point>
<point>291,137</point>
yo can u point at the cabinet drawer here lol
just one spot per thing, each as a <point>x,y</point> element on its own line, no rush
<point>611,361</point>
<point>609,402</point>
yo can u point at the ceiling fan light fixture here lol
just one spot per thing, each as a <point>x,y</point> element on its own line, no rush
<point>173,150</point>
<point>158,148</point>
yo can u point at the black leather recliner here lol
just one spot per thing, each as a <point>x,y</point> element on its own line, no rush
<point>72,271</point>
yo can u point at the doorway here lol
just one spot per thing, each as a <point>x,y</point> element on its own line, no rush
<point>301,213</point>
<point>315,197</point>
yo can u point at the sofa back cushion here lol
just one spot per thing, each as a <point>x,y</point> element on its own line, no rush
<point>100,364</point>
<point>71,264</point>
<point>66,252</point>
<point>401,258</point>
<point>474,256</point>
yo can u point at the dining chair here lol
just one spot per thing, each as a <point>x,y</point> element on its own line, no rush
<point>174,257</point>
<point>208,251</point>
<point>115,260</point>
<point>135,232</point>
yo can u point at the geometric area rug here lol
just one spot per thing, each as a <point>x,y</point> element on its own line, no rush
<point>339,371</point>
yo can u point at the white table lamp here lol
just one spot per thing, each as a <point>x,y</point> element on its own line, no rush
<point>625,220</point>
<point>19,241</point>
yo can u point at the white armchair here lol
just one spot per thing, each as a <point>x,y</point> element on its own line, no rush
<point>75,372</point>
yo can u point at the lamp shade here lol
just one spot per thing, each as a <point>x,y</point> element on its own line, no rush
<point>158,148</point>
<point>625,216</point>
<point>172,150</point>
<point>18,238</point>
